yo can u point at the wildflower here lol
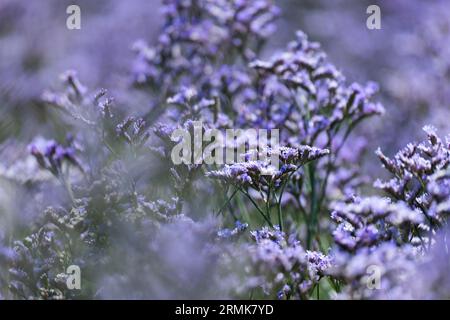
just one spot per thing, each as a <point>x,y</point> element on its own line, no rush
<point>393,264</point>
<point>238,229</point>
<point>369,221</point>
<point>50,155</point>
<point>415,170</point>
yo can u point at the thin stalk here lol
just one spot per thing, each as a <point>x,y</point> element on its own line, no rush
<point>268,202</point>
<point>257,207</point>
<point>227,202</point>
<point>278,200</point>
<point>243,208</point>
<point>313,214</point>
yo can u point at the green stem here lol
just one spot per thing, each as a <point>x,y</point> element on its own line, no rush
<point>227,202</point>
<point>257,207</point>
<point>313,214</point>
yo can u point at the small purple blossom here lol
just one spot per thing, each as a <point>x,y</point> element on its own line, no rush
<point>50,155</point>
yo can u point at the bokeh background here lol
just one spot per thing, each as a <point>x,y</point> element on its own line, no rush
<point>409,58</point>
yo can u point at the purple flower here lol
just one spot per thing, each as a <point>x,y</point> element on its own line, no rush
<point>50,155</point>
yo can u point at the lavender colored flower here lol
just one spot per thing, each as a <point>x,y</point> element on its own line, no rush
<point>429,279</point>
<point>367,222</point>
<point>259,174</point>
<point>280,267</point>
<point>133,131</point>
<point>38,260</point>
<point>196,36</point>
<point>415,169</point>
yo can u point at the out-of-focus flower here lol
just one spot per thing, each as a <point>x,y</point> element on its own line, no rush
<point>258,174</point>
<point>237,230</point>
<point>50,155</point>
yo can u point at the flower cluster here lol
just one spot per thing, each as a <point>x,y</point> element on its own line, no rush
<point>50,155</point>
<point>261,174</point>
<point>39,264</point>
<point>238,229</point>
<point>373,273</point>
<point>393,236</point>
<point>370,221</point>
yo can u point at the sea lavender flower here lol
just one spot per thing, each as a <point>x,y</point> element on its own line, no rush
<point>266,179</point>
<point>299,92</point>
<point>429,279</point>
<point>258,174</point>
<point>38,260</point>
<point>280,267</point>
<point>303,73</point>
<point>391,263</point>
<point>402,271</point>
<point>133,131</point>
<point>266,233</point>
<point>196,36</point>
<point>237,230</point>
<point>51,156</point>
<point>318,264</point>
<point>415,170</point>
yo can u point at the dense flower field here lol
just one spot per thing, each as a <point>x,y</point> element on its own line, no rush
<point>87,176</point>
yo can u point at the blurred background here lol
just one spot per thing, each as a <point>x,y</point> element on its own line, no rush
<point>409,58</point>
